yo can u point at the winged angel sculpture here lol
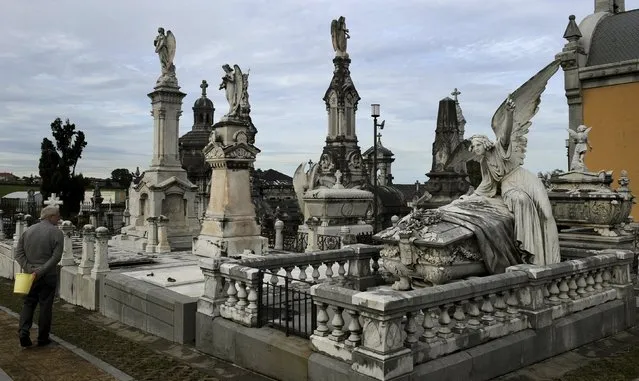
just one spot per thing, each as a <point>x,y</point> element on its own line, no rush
<point>501,162</point>
<point>165,48</point>
<point>235,85</point>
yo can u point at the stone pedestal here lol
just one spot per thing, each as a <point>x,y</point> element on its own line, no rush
<point>229,226</point>
<point>164,189</point>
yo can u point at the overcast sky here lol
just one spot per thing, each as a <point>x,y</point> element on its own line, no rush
<point>94,62</point>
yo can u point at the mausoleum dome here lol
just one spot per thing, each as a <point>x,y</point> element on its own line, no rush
<point>203,102</point>
<point>615,37</point>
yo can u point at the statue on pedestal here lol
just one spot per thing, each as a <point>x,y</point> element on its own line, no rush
<point>339,35</point>
<point>580,137</point>
<point>165,48</point>
<point>235,85</point>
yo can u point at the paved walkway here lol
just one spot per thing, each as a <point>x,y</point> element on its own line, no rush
<point>57,361</point>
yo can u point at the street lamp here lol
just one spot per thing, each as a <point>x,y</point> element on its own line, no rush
<point>375,115</point>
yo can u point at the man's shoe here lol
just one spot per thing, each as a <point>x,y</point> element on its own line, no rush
<point>42,343</point>
<point>25,341</point>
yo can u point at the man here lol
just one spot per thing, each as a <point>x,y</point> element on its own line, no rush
<point>39,251</point>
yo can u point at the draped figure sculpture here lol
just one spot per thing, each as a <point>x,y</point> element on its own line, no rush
<point>339,35</point>
<point>235,85</point>
<point>503,176</point>
<point>165,48</point>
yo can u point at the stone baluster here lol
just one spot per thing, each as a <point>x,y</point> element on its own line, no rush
<point>563,289</point>
<point>411,330</point>
<point>231,293</point>
<point>341,272</point>
<point>511,302</point>
<point>581,285</point>
<point>1,225</point>
<point>487,309</point>
<point>460,317</point>
<point>322,319</point>
<point>590,282</point>
<point>302,276</point>
<point>101,263</point>
<point>279,236</point>
<point>329,271</point>
<point>553,290</point>
<point>355,330</point>
<point>598,280</point>
<point>474,313</point>
<point>152,237</point>
<point>242,296</point>
<point>338,333</point>
<point>572,286</point>
<point>444,321</point>
<point>252,299</point>
<point>606,278</point>
<point>67,251</point>
<point>289,271</point>
<point>500,307</point>
<point>315,274</point>
<point>274,278</point>
<point>88,250</point>
<point>428,324</point>
<point>163,238</point>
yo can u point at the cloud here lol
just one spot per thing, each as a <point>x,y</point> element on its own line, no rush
<point>97,70</point>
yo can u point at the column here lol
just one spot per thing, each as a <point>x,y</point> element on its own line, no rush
<point>152,240</point>
<point>88,250</point>
<point>101,264</point>
<point>67,252</point>
<point>279,237</point>
<point>163,239</point>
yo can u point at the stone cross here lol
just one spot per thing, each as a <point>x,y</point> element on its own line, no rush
<point>53,200</point>
<point>379,137</point>
<point>203,86</point>
<point>455,93</point>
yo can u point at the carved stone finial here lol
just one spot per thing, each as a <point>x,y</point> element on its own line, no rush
<point>572,32</point>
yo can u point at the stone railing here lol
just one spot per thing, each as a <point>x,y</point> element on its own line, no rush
<point>354,266</point>
<point>384,333</point>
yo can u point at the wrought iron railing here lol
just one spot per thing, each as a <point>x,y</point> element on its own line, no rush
<point>295,242</point>
<point>328,242</point>
<point>286,304</point>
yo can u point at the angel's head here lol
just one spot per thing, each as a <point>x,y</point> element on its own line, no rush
<point>480,144</point>
<point>161,30</point>
<point>582,128</point>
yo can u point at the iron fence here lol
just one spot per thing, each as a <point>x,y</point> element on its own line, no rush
<point>328,242</point>
<point>286,305</point>
<point>295,242</point>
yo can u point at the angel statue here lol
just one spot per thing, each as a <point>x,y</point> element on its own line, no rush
<point>522,192</point>
<point>165,48</point>
<point>233,82</point>
<point>580,137</point>
<point>339,35</point>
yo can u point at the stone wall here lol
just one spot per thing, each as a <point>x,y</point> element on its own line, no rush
<point>151,308</point>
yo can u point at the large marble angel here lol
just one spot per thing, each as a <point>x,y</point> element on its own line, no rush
<point>233,84</point>
<point>165,48</point>
<point>503,176</point>
<point>339,36</point>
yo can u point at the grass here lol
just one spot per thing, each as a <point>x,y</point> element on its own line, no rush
<point>137,360</point>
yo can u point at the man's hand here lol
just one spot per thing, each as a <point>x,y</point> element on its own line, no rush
<point>34,275</point>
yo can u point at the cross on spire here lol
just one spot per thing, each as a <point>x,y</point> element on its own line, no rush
<point>203,86</point>
<point>455,93</point>
<point>53,200</point>
<point>379,137</point>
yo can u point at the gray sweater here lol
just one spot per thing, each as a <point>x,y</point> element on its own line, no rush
<point>40,248</point>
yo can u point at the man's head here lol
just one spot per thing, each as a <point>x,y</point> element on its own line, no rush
<point>51,214</point>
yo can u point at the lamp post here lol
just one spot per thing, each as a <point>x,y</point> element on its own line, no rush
<point>375,115</point>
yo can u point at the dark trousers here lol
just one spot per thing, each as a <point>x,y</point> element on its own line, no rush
<point>42,292</point>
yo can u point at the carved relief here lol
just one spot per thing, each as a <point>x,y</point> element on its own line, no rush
<point>240,137</point>
<point>355,161</point>
<point>326,163</point>
<point>240,153</point>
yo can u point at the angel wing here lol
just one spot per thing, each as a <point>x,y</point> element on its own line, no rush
<point>461,154</point>
<point>526,99</point>
<point>239,84</point>
<point>334,27</point>
<point>170,45</point>
<point>572,133</point>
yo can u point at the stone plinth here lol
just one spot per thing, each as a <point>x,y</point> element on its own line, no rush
<point>229,226</point>
<point>164,188</point>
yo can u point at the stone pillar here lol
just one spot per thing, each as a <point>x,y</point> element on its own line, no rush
<point>67,252</point>
<point>19,218</point>
<point>88,250</point>
<point>1,225</point>
<point>163,239</point>
<point>312,223</point>
<point>109,220</point>
<point>101,264</point>
<point>152,237</point>
<point>279,237</point>
<point>213,295</point>
<point>166,101</point>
